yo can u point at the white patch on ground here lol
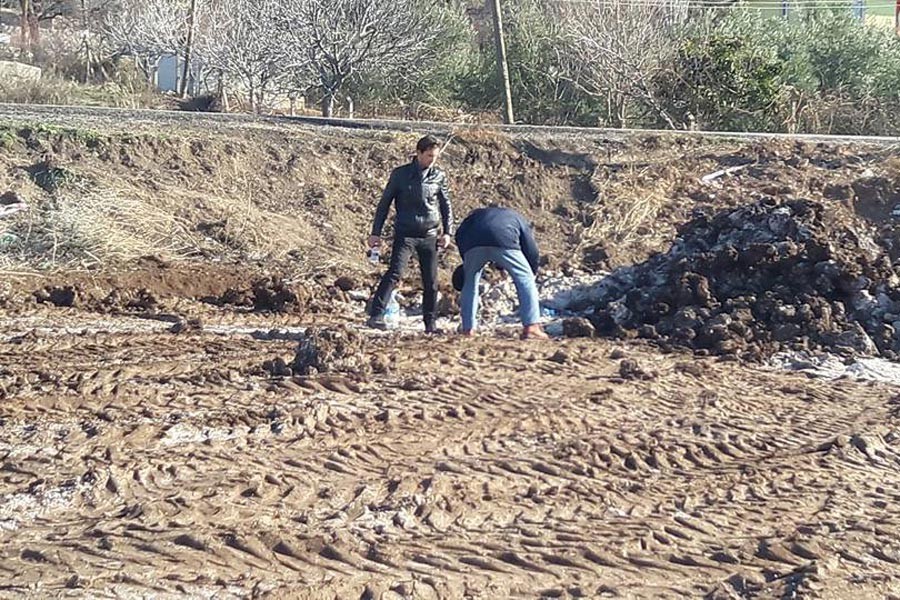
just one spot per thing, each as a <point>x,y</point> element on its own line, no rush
<point>831,366</point>
<point>27,506</point>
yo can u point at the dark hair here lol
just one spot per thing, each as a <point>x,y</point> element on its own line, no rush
<point>426,143</point>
<point>459,278</point>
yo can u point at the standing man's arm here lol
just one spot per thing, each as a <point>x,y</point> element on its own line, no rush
<point>529,246</point>
<point>446,211</point>
<point>381,213</point>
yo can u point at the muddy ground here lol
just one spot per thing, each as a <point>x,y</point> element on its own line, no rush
<point>211,420</point>
<point>142,461</point>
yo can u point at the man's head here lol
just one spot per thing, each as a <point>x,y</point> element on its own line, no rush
<point>427,151</point>
<point>459,278</point>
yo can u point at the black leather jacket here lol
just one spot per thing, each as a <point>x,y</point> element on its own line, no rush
<point>422,202</point>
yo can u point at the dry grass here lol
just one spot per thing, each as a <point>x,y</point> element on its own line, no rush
<point>89,220</point>
<point>83,224</point>
<point>52,89</point>
<point>628,204</point>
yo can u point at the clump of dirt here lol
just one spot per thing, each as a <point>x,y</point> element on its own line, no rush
<point>759,279</point>
<point>330,349</point>
<point>578,327</point>
<point>345,283</point>
<point>96,299</point>
<point>242,297</point>
<point>630,369</point>
<point>131,299</point>
<point>184,325</point>
<point>64,296</point>
<point>448,301</point>
<point>877,199</point>
<point>277,367</point>
<point>273,294</point>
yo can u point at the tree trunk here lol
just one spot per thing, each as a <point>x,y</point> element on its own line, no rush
<point>328,104</point>
<point>223,94</point>
<point>34,31</point>
<point>87,44</point>
<point>188,49</point>
<point>24,27</point>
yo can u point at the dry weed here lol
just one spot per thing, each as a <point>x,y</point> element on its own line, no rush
<point>628,203</point>
<point>89,220</point>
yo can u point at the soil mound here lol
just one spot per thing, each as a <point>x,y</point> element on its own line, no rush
<point>273,294</point>
<point>330,349</point>
<point>759,279</point>
<point>117,299</point>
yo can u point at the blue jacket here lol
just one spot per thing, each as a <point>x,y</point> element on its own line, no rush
<point>500,228</point>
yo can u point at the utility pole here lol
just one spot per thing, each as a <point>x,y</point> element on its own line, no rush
<point>897,17</point>
<point>502,67</point>
<point>88,71</point>
<point>25,27</point>
<point>188,49</point>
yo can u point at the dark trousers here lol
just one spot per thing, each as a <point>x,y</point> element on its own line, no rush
<point>401,252</point>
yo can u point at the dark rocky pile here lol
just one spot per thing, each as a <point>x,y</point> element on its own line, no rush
<point>759,279</point>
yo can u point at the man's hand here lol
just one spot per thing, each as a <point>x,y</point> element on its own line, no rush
<point>444,242</point>
<point>374,241</point>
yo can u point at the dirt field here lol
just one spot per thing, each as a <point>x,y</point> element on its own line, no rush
<point>179,423</point>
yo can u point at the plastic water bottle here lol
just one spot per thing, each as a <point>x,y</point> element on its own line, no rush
<point>374,254</point>
<point>392,312</point>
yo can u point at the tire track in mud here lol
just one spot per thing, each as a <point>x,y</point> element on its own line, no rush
<point>157,463</point>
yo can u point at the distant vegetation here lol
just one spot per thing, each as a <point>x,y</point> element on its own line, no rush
<point>611,63</point>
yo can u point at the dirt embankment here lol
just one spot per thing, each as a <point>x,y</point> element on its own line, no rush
<point>297,202</point>
<point>218,450</point>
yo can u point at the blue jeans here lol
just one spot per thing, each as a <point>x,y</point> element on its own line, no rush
<point>514,262</point>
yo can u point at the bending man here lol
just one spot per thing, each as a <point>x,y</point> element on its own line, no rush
<point>503,237</point>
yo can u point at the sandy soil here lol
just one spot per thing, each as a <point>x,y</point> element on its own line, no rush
<point>212,421</point>
<point>140,462</point>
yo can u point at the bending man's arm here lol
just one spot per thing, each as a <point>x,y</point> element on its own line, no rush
<point>529,246</point>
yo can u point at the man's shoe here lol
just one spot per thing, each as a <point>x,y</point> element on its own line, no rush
<point>534,332</point>
<point>377,323</point>
<point>432,329</point>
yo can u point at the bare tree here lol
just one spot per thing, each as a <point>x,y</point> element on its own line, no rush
<point>145,30</point>
<point>336,40</point>
<point>189,48</point>
<point>31,13</point>
<point>617,47</point>
<point>239,40</point>
<point>91,13</point>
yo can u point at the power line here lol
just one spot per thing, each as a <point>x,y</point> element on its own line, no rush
<point>790,5</point>
<point>762,4</point>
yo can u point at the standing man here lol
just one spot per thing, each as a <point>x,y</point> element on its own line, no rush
<point>421,200</point>
<point>503,237</point>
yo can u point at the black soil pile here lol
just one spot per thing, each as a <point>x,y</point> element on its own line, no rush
<point>759,279</point>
